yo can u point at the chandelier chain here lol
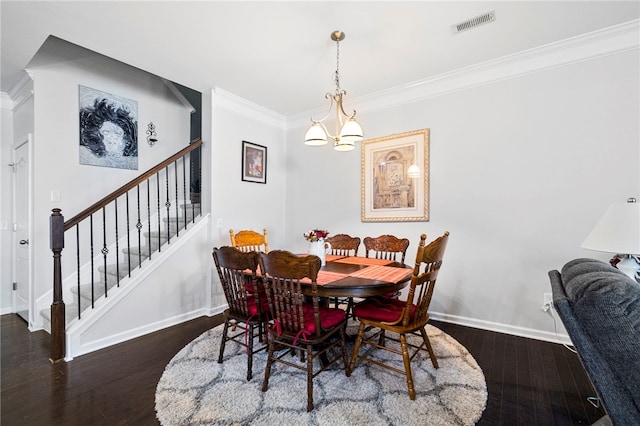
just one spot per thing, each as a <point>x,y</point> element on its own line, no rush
<point>337,73</point>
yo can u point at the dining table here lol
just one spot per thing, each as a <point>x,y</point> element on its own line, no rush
<point>354,276</point>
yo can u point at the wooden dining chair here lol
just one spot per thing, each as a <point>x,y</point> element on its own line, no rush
<point>248,240</point>
<point>386,247</point>
<point>344,245</point>
<point>296,324</point>
<point>402,318</point>
<point>247,309</point>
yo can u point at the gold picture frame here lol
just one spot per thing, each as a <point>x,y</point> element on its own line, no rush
<point>388,194</point>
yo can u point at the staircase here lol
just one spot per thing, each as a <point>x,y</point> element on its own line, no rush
<point>134,259</point>
<point>152,211</point>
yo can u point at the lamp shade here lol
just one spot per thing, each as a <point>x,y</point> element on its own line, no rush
<point>617,231</point>
<point>315,135</point>
<point>351,131</point>
<point>413,171</point>
<point>344,145</point>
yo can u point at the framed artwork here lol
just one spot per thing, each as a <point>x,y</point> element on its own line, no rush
<point>388,192</point>
<point>254,162</point>
<point>108,129</point>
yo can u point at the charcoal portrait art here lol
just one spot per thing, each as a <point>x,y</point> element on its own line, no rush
<point>108,130</point>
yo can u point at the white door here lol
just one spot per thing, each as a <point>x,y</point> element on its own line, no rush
<point>21,217</point>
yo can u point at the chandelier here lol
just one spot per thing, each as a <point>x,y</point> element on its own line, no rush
<point>348,131</point>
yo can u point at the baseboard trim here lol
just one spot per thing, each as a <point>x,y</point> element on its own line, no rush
<point>136,332</point>
<point>217,310</point>
<point>530,333</point>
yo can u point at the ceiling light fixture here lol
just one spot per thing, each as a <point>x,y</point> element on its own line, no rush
<point>348,131</point>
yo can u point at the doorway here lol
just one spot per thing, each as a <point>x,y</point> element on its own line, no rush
<point>22,228</point>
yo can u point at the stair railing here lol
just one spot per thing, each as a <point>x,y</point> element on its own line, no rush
<point>153,201</point>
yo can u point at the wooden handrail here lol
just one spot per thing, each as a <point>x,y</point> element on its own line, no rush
<point>128,186</point>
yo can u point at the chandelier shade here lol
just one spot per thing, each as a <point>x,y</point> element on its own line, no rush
<point>348,130</point>
<point>316,135</point>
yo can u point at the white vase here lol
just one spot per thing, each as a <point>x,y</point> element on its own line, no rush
<point>320,248</point>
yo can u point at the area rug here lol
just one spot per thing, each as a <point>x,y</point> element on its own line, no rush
<point>195,390</point>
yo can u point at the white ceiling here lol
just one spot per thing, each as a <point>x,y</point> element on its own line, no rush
<point>279,54</point>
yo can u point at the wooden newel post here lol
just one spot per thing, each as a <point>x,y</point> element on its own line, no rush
<point>58,326</point>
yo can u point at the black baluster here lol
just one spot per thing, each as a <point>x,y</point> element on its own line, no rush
<point>149,216</point>
<point>139,226</point>
<point>93,298</point>
<point>78,267</point>
<point>128,233</point>
<point>105,249</point>
<point>159,225</point>
<point>184,190</point>
<point>117,244</point>
<point>167,203</point>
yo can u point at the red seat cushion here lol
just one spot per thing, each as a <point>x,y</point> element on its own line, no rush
<point>381,309</point>
<point>329,317</point>
<point>253,307</point>
<point>249,287</point>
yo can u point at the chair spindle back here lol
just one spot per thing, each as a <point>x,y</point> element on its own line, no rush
<point>387,247</point>
<point>283,272</point>
<point>344,245</point>
<point>423,280</point>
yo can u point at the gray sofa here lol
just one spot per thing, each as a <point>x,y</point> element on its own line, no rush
<point>600,309</point>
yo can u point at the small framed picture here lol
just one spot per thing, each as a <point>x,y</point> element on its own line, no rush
<point>254,162</point>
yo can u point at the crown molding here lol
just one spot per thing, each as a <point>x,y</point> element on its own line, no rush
<point>596,44</point>
<point>230,102</point>
<point>6,103</point>
<point>20,92</point>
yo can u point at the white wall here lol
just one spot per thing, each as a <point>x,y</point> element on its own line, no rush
<point>235,203</point>
<point>521,169</point>
<point>58,69</point>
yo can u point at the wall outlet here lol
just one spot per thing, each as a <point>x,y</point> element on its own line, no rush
<point>547,302</point>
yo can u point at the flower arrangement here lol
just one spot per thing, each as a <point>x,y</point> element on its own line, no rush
<point>316,235</point>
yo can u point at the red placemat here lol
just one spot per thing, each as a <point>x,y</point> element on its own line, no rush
<point>325,277</point>
<point>332,257</point>
<point>364,261</point>
<point>382,273</point>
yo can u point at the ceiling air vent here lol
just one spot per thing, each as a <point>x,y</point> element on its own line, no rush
<point>485,18</point>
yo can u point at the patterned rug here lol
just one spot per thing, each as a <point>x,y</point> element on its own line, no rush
<point>195,390</point>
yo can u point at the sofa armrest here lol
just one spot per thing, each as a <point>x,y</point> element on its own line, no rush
<point>599,313</point>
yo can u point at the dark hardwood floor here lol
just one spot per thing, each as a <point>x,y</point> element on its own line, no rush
<point>529,382</point>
